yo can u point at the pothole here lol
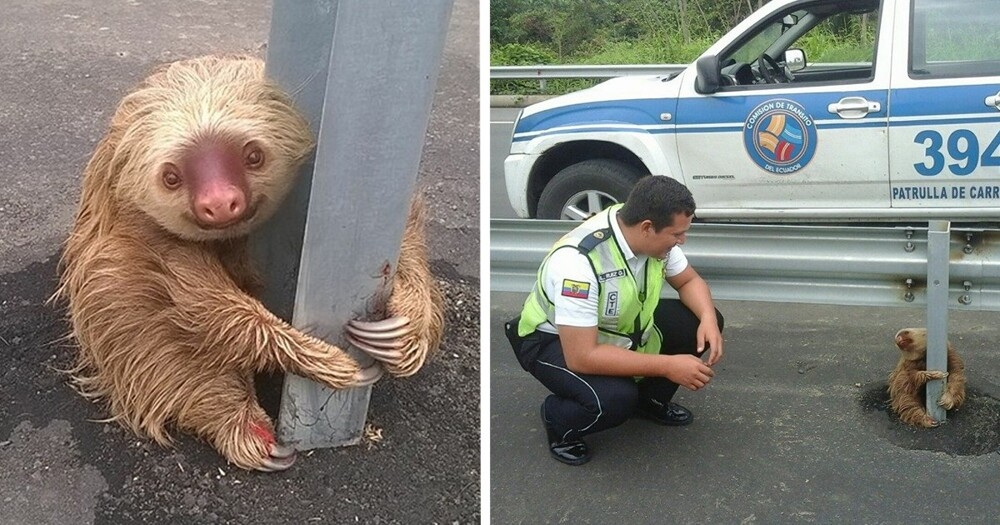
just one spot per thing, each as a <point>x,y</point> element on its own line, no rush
<point>973,430</point>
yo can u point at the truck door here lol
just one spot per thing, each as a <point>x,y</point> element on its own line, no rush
<point>944,118</point>
<point>814,139</point>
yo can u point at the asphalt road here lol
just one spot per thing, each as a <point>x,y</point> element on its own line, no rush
<point>793,428</point>
<point>65,65</point>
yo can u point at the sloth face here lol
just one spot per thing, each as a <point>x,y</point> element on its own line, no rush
<point>209,148</point>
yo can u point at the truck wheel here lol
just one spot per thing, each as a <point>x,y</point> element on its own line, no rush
<point>585,188</point>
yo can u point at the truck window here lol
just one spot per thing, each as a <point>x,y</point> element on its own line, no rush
<point>841,38</point>
<point>954,39</point>
<point>837,37</point>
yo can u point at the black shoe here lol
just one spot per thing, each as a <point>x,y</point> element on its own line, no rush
<point>665,414</point>
<point>570,451</point>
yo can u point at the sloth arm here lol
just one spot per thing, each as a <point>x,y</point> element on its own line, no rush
<point>236,331</point>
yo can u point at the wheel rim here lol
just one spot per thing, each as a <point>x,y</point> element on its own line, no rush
<point>586,203</point>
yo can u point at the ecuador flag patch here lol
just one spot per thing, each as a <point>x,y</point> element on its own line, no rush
<point>575,289</point>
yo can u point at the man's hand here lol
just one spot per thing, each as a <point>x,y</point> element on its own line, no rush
<point>694,293</point>
<point>687,371</point>
<point>709,335</point>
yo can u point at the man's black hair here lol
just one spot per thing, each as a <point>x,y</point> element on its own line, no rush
<point>657,198</point>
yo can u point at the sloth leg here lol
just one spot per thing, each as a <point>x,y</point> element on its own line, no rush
<point>910,410</point>
<point>907,403</point>
<point>403,342</point>
<point>223,410</point>
<point>954,392</point>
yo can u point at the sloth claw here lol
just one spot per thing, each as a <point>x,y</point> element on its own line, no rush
<point>382,340</point>
<point>385,325</point>
<point>275,465</point>
<point>379,353</point>
<point>385,330</point>
<point>279,458</point>
<point>368,376</point>
<point>280,452</point>
<point>393,344</point>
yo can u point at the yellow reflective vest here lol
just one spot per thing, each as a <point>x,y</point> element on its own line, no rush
<point>625,315</point>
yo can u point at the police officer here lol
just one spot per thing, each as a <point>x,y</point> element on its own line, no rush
<point>595,332</point>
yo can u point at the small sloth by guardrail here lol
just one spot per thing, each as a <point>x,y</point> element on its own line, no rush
<point>158,280</point>
<point>908,380</point>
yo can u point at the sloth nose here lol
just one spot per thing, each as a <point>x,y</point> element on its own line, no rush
<point>219,190</point>
<point>220,206</point>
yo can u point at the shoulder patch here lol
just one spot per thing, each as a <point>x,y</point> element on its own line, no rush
<point>589,242</point>
<point>575,289</point>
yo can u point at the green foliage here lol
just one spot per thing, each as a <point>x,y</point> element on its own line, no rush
<point>840,39</point>
<point>671,50</point>
<point>536,32</point>
<point>515,54</point>
<point>823,46</point>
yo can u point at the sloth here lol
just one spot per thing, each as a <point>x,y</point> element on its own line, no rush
<point>907,381</point>
<point>157,280</point>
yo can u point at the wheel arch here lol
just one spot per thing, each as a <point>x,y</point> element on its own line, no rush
<point>566,154</point>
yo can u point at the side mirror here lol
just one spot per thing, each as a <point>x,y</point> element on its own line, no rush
<point>788,21</point>
<point>795,59</point>
<point>709,75</point>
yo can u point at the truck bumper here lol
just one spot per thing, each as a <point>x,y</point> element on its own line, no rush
<point>517,169</point>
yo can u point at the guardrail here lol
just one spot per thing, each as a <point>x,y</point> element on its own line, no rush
<point>844,265</point>
<point>597,72</point>
<point>574,71</point>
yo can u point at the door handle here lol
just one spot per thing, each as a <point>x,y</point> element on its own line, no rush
<point>854,107</point>
<point>993,100</point>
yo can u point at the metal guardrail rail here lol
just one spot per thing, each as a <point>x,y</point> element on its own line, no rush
<point>843,265</point>
<point>544,73</point>
<point>575,71</point>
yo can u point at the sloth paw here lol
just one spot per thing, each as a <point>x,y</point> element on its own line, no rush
<point>399,344</point>
<point>385,340</point>
<point>936,374</point>
<point>368,376</point>
<point>947,401</point>
<point>928,422</point>
<point>278,457</point>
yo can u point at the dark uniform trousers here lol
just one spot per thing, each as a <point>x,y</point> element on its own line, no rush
<point>582,404</point>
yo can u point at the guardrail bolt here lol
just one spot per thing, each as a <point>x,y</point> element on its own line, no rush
<point>966,298</point>
<point>908,297</point>
<point>909,246</point>
<point>968,243</point>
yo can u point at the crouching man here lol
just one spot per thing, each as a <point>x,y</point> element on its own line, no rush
<point>595,332</point>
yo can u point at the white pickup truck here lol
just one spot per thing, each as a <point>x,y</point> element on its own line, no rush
<point>903,125</point>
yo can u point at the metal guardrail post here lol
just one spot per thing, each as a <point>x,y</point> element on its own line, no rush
<point>938,247</point>
<point>364,74</point>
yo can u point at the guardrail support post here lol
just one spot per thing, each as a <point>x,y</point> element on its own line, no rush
<point>938,247</point>
<point>364,74</point>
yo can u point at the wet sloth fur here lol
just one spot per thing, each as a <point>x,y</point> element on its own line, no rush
<point>156,273</point>
<point>907,390</point>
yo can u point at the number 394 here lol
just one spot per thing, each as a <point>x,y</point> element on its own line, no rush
<point>962,152</point>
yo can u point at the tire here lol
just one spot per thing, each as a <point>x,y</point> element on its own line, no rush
<point>585,188</point>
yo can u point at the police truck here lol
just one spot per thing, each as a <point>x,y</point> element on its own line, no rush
<point>900,121</point>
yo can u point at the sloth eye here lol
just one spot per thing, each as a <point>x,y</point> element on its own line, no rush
<point>171,178</point>
<point>254,156</point>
